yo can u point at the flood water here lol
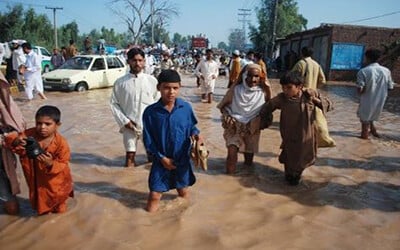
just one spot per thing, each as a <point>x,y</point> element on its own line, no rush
<point>349,199</point>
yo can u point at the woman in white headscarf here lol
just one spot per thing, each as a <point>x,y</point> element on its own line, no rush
<point>240,109</point>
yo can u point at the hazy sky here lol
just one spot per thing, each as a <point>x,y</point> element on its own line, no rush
<point>216,18</point>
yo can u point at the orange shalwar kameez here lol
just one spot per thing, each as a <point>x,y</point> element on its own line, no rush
<point>49,187</point>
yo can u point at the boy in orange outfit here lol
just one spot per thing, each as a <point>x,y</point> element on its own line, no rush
<point>44,156</point>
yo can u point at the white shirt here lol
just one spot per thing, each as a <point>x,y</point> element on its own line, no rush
<point>207,68</point>
<point>375,80</point>
<point>18,58</point>
<point>33,66</point>
<point>131,95</point>
<point>150,61</point>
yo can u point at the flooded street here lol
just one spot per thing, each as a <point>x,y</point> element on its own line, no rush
<point>349,199</point>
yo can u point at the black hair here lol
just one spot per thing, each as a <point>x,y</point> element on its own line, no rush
<point>307,51</point>
<point>292,77</point>
<point>373,54</point>
<point>135,51</point>
<point>209,50</point>
<point>250,52</point>
<point>50,111</point>
<point>258,55</point>
<point>168,75</point>
<point>26,45</point>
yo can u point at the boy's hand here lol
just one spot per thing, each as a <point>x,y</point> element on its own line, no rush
<point>316,100</point>
<point>168,163</point>
<point>46,158</point>
<point>198,138</point>
<point>19,141</point>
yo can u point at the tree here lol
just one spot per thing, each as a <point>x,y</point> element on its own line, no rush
<point>67,32</point>
<point>236,40</point>
<point>140,14</point>
<point>287,21</point>
<point>160,34</point>
<point>223,46</point>
<point>11,23</point>
<point>36,29</point>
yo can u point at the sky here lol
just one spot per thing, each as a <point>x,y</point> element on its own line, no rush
<point>217,18</point>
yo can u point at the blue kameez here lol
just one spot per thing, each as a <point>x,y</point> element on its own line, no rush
<point>168,134</point>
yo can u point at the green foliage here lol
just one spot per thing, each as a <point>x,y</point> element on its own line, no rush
<point>17,24</point>
<point>236,40</point>
<point>160,34</point>
<point>11,23</point>
<point>223,46</point>
<point>288,21</point>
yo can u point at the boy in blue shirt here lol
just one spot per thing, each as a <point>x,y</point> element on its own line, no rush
<point>168,127</point>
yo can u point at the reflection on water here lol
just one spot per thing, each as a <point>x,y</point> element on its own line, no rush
<point>351,190</point>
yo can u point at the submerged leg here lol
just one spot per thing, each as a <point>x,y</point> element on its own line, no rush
<point>153,201</point>
<point>130,159</point>
<point>248,159</point>
<point>364,130</point>
<point>11,207</point>
<point>373,130</point>
<point>231,159</point>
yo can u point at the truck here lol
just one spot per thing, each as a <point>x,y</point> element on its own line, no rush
<point>199,43</point>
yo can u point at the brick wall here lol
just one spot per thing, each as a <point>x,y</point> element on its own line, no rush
<point>371,37</point>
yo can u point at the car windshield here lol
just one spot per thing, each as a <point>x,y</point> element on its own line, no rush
<point>77,62</point>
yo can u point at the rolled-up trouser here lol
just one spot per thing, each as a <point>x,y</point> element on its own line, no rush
<point>32,84</point>
<point>207,87</point>
<point>130,138</point>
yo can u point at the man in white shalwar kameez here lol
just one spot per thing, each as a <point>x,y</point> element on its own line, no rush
<point>373,82</point>
<point>32,71</point>
<point>131,94</point>
<point>207,70</point>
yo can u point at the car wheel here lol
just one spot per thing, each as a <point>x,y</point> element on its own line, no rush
<point>46,69</point>
<point>81,87</point>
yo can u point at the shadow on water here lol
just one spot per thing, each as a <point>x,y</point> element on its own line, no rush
<point>374,195</point>
<point>354,196</point>
<point>127,197</point>
<point>356,134</point>
<point>376,163</point>
<point>88,158</point>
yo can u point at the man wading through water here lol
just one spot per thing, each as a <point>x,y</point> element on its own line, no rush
<point>131,94</point>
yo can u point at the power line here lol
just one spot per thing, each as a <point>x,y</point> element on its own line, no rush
<point>244,13</point>
<point>374,17</point>
<point>55,23</point>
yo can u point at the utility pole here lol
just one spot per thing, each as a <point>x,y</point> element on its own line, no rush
<point>244,13</point>
<point>274,18</point>
<point>152,21</point>
<point>55,25</point>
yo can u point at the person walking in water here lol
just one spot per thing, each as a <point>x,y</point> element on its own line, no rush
<point>373,82</point>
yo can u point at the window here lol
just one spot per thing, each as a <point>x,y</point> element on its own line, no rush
<point>114,62</point>
<point>99,64</point>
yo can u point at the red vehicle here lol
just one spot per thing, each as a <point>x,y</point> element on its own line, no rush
<point>199,43</point>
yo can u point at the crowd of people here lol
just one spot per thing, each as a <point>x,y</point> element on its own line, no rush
<point>149,109</point>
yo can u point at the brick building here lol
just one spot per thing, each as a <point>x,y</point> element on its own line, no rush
<point>339,49</point>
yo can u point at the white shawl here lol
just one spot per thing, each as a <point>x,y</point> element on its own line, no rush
<point>246,101</point>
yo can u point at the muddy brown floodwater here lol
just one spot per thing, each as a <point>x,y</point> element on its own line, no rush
<point>349,199</point>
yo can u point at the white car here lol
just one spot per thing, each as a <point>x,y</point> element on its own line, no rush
<point>45,55</point>
<point>84,72</point>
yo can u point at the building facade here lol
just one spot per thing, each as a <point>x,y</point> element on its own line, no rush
<point>339,49</point>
